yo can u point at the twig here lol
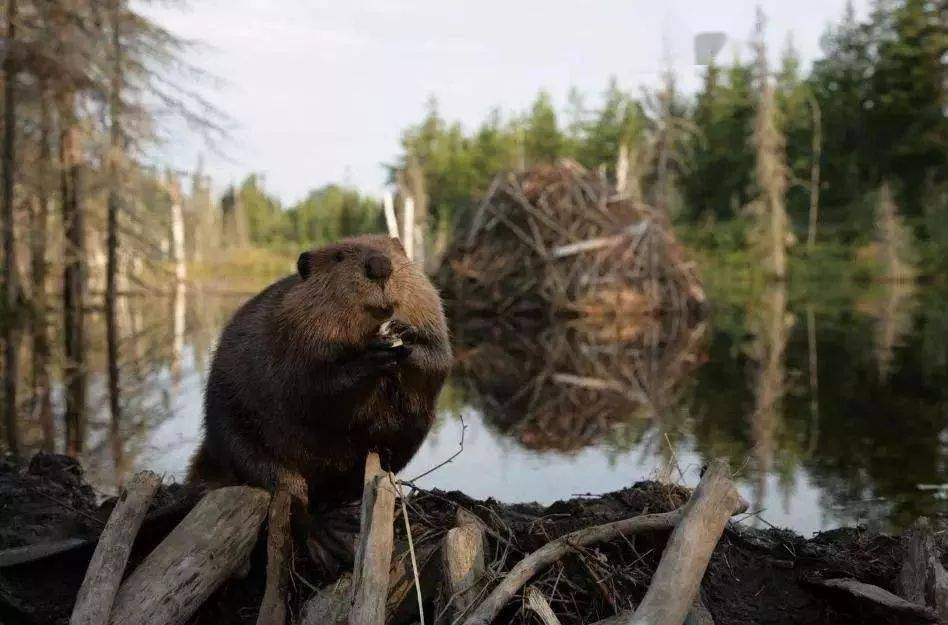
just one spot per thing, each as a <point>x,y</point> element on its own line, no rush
<point>411,546</point>
<point>101,583</point>
<point>449,460</point>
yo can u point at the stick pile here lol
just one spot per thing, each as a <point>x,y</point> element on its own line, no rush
<point>558,240</point>
<point>633,556</point>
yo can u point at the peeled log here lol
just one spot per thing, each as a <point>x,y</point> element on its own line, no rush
<point>549,553</point>
<point>200,554</point>
<point>329,605</point>
<point>373,556</point>
<point>463,563</point>
<point>923,579</point>
<point>678,576</point>
<point>273,607</point>
<point>878,596</point>
<point>105,572</point>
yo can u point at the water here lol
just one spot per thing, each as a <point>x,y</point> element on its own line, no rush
<point>832,408</point>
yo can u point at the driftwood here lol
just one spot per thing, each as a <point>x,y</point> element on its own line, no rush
<point>373,557</point>
<point>538,603</point>
<point>699,614</point>
<point>39,551</point>
<point>676,580</point>
<point>105,571</point>
<point>877,596</point>
<point>330,605</point>
<point>923,579</point>
<point>554,550</point>
<point>204,550</point>
<point>462,561</point>
<point>273,607</point>
<point>402,605</point>
<point>714,496</point>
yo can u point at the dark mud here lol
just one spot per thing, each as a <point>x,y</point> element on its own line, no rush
<point>755,576</point>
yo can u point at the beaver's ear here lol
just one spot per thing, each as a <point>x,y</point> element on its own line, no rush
<point>398,243</point>
<point>304,264</point>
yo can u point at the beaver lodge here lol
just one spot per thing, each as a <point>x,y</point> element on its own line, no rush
<point>558,240</point>
<point>653,553</point>
<point>575,310</point>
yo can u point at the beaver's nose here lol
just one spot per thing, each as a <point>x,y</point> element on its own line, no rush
<point>378,267</point>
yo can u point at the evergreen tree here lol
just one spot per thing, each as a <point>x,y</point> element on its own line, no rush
<point>839,82</point>
<point>719,173</point>
<point>542,139</point>
<point>907,99</point>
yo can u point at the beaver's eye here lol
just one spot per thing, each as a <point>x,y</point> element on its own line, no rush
<point>339,257</point>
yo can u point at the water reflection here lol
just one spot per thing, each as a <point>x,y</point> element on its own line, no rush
<point>579,383</point>
<point>833,412</point>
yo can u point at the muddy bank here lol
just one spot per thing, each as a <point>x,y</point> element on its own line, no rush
<point>755,576</point>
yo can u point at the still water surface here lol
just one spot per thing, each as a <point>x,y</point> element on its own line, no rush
<point>834,411</point>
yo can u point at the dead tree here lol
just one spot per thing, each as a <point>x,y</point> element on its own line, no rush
<point>9,251</point>
<point>39,233</point>
<point>116,149</point>
<point>771,165</point>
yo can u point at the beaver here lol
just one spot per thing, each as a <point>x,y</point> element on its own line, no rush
<point>303,385</point>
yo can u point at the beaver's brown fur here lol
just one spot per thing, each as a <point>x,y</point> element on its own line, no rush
<point>298,386</point>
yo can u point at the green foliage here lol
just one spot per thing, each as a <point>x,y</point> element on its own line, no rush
<point>331,213</point>
<point>325,215</point>
<point>878,93</point>
<point>722,165</point>
<point>542,140</point>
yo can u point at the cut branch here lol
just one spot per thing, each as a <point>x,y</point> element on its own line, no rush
<point>374,554</point>
<point>678,576</point>
<point>211,543</point>
<point>101,584</point>
<point>878,596</point>
<point>273,607</point>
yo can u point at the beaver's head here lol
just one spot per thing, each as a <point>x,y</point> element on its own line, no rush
<point>348,289</point>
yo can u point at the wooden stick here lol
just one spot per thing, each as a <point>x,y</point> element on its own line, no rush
<point>329,605</point>
<point>922,579</point>
<point>538,603</point>
<point>463,566</point>
<point>101,584</point>
<point>589,245</point>
<point>202,552</point>
<point>273,607</point>
<point>401,606</point>
<point>373,557</point>
<point>524,570</point>
<point>39,551</point>
<point>678,576</point>
<point>876,595</point>
<point>551,552</point>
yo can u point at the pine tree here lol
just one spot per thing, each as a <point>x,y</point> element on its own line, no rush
<point>838,81</point>
<point>908,95</point>
<point>542,139</point>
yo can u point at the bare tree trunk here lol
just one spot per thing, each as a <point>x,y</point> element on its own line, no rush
<point>42,404</point>
<point>817,154</point>
<point>771,163</point>
<point>9,250</point>
<point>177,229</point>
<point>74,262</point>
<point>116,147</point>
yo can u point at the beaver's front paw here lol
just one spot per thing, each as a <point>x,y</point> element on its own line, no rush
<point>393,334</point>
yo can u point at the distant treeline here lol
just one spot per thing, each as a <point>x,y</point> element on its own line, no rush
<point>871,110</point>
<point>324,215</point>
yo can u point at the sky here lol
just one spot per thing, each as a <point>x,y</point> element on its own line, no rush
<point>319,91</point>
